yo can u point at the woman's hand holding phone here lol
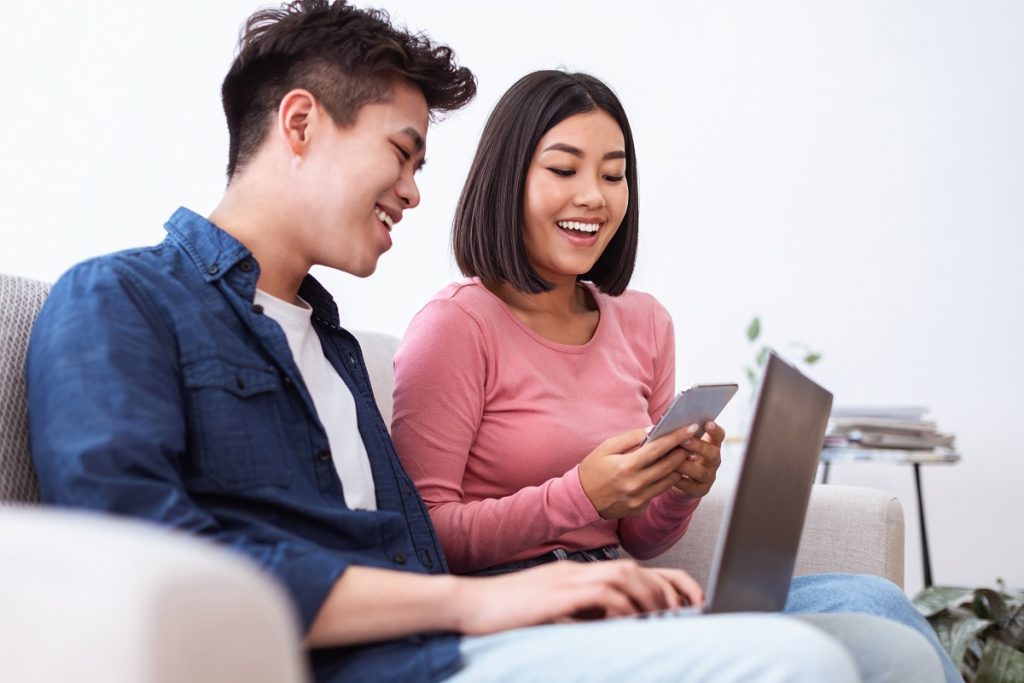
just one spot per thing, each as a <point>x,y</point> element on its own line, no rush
<point>700,467</point>
<point>621,479</point>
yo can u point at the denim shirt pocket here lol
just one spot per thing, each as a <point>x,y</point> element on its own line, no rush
<point>236,430</point>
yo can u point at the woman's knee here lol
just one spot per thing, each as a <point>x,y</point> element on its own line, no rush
<point>865,593</point>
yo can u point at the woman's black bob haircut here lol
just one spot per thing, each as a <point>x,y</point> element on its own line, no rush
<point>487,235</point>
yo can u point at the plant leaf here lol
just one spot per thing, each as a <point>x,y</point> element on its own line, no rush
<point>956,631</point>
<point>1000,664</point>
<point>933,600</point>
<point>1012,631</point>
<point>754,329</point>
<point>988,604</point>
<point>812,357</point>
<point>762,356</point>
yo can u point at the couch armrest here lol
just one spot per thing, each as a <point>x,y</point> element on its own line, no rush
<point>847,529</point>
<point>93,599</point>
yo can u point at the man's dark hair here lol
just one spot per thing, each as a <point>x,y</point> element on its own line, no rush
<point>487,235</point>
<point>346,57</point>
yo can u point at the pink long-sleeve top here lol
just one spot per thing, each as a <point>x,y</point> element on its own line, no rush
<point>491,421</point>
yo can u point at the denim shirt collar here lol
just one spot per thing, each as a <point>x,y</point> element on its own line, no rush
<point>215,252</point>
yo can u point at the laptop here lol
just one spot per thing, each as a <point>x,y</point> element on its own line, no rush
<point>756,552</point>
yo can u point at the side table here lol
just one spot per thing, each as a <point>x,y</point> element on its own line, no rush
<point>896,457</point>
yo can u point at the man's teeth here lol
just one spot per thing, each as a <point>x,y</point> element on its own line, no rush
<point>384,218</point>
<point>582,227</point>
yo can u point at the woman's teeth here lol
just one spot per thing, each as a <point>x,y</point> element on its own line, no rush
<point>580,227</point>
<point>384,218</point>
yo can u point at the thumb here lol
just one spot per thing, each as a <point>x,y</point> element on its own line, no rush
<point>622,443</point>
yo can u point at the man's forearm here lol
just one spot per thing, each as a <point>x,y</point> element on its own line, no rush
<point>368,604</point>
<point>376,604</point>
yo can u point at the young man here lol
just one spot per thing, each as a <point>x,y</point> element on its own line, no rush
<point>206,384</point>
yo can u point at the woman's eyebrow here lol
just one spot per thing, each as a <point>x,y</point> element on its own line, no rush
<point>577,152</point>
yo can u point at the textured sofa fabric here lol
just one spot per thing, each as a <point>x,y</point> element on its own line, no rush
<point>20,299</point>
<point>848,529</point>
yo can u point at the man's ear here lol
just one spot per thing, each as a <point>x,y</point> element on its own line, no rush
<point>295,118</point>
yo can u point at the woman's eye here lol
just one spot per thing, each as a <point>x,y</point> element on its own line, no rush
<point>404,152</point>
<point>562,172</point>
<point>614,178</point>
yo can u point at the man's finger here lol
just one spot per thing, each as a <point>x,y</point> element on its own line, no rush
<point>685,584</point>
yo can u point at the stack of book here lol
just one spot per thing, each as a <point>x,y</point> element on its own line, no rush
<point>899,428</point>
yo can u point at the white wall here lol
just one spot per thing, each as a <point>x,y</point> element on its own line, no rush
<point>852,172</point>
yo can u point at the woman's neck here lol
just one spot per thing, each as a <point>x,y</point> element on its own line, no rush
<point>566,314</point>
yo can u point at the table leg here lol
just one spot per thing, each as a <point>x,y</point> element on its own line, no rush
<point>824,471</point>
<point>925,558</point>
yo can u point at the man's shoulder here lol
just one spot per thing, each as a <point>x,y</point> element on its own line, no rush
<point>145,266</point>
<point>151,280</point>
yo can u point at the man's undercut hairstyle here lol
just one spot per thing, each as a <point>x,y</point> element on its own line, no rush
<point>345,57</point>
<point>488,231</point>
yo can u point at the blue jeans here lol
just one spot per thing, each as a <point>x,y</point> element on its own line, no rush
<point>863,594</point>
<point>814,594</point>
<point>719,648</point>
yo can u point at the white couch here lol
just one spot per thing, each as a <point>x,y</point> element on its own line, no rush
<point>87,598</point>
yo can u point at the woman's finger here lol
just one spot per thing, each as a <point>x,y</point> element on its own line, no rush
<point>715,431</point>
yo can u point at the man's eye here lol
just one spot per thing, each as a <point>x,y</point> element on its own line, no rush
<point>406,155</point>
<point>562,172</point>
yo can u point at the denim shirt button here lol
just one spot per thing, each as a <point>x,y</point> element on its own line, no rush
<point>324,455</point>
<point>287,380</point>
<point>245,266</point>
<point>399,558</point>
<point>257,309</point>
<point>213,270</point>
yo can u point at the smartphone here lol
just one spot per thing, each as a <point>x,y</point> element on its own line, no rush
<point>694,404</point>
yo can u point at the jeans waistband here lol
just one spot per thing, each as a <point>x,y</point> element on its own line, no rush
<point>608,552</point>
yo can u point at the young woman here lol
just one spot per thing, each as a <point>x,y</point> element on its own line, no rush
<point>522,394</point>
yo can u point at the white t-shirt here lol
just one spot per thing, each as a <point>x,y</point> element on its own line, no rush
<point>331,396</point>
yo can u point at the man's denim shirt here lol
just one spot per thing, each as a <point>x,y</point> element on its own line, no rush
<point>158,390</point>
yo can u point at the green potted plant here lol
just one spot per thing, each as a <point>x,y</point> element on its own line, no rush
<point>982,629</point>
<point>760,349</point>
